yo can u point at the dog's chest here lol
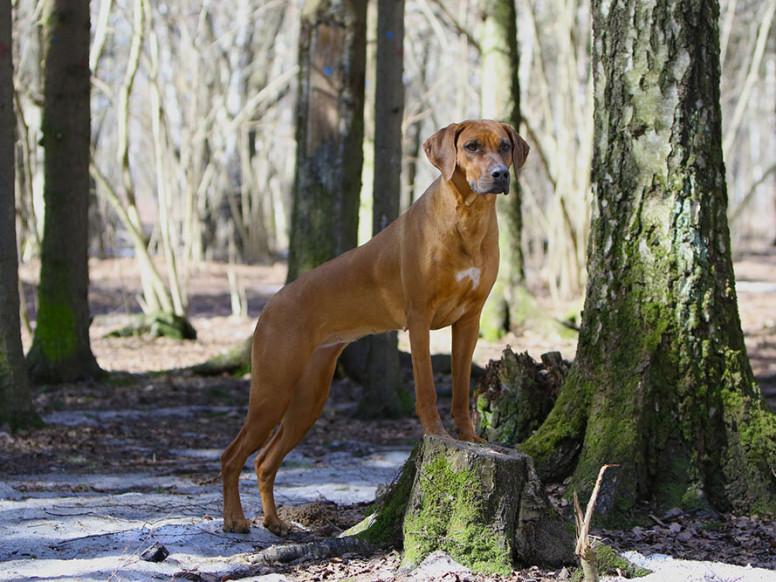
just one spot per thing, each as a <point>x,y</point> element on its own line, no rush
<point>462,291</point>
<point>471,274</point>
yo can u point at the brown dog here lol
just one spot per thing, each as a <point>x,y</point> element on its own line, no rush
<point>433,267</point>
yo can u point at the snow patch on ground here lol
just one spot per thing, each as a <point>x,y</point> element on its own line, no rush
<point>667,569</point>
<point>94,527</point>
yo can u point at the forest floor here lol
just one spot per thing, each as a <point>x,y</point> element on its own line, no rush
<point>134,460</point>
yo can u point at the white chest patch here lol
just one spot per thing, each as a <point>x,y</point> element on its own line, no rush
<point>472,273</point>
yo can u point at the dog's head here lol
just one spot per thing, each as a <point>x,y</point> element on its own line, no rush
<point>482,150</point>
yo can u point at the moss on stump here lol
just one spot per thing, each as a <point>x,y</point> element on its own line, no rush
<point>482,504</point>
<point>517,394</point>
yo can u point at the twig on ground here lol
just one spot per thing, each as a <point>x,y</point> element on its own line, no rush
<point>584,548</point>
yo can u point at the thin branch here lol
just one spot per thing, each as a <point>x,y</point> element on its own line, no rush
<point>754,71</point>
<point>735,213</point>
<point>460,29</point>
<point>584,548</point>
<point>726,28</point>
<point>100,34</point>
<point>585,532</point>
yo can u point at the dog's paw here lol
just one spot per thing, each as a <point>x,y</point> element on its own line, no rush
<point>278,526</point>
<point>441,433</point>
<point>470,436</point>
<point>242,526</point>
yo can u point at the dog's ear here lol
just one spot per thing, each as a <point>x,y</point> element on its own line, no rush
<point>440,149</point>
<point>520,147</point>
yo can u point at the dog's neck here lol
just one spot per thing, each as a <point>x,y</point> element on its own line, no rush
<point>474,214</point>
<point>464,196</point>
<point>461,190</point>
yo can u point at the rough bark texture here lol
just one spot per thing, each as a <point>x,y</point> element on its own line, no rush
<point>61,351</point>
<point>329,134</point>
<point>482,504</point>
<point>661,383</point>
<point>16,408</point>
<point>516,395</point>
<point>383,381</point>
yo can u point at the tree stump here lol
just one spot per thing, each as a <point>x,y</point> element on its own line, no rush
<point>236,361</point>
<point>158,324</point>
<point>517,394</point>
<point>481,503</point>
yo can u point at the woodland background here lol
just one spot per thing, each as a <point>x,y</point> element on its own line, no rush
<point>193,160</point>
<point>208,175</point>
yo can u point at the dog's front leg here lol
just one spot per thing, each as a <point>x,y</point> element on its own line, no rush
<point>425,392</point>
<point>465,333</point>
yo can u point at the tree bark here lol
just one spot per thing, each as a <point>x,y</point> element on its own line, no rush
<point>661,383</point>
<point>16,409</point>
<point>330,132</point>
<point>61,351</point>
<point>516,395</point>
<point>383,381</point>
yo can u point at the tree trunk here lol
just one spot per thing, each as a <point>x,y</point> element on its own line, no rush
<point>661,383</point>
<point>163,187</point>
<point>329,133</point>
<point>61,351</point>
<point>510,304</point>
<point>16,408</point>
<point>383,381</point>
<point>500,97</point>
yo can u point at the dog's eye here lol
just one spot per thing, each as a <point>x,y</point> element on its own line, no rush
<point>471,146</point>
<point>505,147</point>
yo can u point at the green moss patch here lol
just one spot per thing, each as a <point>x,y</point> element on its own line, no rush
<point>453,523</point>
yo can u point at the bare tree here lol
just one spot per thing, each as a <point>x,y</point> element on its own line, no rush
<point>61,350</point>
<point>557,110</point>
<point>155,296</point>
<point>330,132</point>
<point>227,79</point>
<point>16,409</point>
<point>500,100</point>
<point>382,377</point>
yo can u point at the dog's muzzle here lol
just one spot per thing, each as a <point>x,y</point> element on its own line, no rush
<point>494,181</point>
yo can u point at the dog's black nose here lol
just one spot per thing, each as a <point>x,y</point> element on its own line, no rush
<point>499,172</point>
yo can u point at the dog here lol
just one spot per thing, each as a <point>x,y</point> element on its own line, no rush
<point>431,268</point>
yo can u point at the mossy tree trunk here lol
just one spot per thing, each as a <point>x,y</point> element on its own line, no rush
<point>329,132</point>
<point>510,304</point>
<point>61,350</point>
<point>500,97</point>
<point>661,383</point>
<point>383,381</point>
<point>16,408</point>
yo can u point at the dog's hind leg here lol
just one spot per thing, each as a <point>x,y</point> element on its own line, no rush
<point>310,395</point>
<point>270,397</point>
<point>232,461</point>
